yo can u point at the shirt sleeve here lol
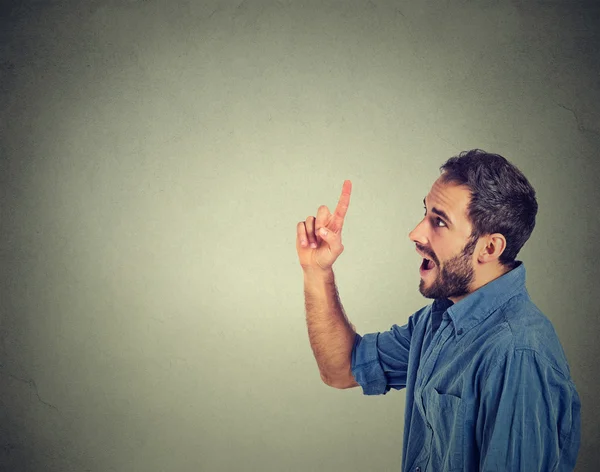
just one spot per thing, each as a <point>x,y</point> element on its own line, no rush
<point>380,360</point>
<point>529,416</point>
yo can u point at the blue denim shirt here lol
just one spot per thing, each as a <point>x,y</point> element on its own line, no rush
<point>487,383</point>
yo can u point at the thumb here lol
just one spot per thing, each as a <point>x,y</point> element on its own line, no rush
<point>329,252</point>
<point>332,238</point>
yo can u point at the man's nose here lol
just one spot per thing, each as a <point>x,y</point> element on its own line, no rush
<point>416,235</point>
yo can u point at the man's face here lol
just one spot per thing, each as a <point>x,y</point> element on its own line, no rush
<point>444,237</point>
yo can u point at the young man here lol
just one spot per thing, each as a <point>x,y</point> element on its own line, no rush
<point>487,382</point>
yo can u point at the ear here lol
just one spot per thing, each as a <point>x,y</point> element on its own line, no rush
<point>494,247</point>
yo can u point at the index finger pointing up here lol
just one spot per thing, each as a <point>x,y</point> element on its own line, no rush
<point>342,207</point>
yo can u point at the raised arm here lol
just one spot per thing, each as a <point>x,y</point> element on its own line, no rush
<point>330,332</point>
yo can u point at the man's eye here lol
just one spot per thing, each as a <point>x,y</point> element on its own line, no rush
<point>437,220</point>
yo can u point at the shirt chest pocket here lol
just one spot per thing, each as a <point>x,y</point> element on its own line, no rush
<point>445,417</point>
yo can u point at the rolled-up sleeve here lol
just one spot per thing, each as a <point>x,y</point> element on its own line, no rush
<point>380,360</point>
<point>529,416</point>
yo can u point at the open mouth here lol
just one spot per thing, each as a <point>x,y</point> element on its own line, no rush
<point>427,265</point>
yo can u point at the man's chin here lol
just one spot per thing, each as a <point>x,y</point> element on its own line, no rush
<point>427,292</point>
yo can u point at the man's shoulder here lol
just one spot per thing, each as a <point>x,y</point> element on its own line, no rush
<point>528,328</point>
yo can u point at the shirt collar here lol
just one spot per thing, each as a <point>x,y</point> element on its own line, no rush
<point>478,305</point>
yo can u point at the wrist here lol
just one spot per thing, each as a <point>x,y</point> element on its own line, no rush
<point>317,273</point>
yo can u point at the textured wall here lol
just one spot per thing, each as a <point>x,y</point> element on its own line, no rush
<point>155,158</point>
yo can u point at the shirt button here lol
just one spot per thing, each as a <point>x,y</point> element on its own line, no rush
<point>417,469</point>
<point>459,331</point>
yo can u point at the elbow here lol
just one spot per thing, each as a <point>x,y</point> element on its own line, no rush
<point>325,379</point>
<point>330,382</point>
<point>338,383</point>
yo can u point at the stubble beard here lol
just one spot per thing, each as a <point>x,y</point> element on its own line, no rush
<point>454,278</point>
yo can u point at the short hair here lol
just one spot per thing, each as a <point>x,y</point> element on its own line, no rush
<point>502,199</point>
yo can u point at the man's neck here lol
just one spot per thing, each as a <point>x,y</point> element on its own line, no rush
<point>484,279</point>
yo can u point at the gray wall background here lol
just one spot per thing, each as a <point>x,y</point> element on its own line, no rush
<point>155,158</point>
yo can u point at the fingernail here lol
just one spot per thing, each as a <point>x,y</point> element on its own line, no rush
<point>313,245</point>
<point>323,231</point>
<point>303,242</point>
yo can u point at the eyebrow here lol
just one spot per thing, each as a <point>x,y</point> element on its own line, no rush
<point>441,213</point>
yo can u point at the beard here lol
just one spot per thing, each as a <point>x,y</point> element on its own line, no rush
<point>454,277</point>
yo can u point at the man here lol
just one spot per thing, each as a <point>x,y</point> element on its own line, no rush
<point>487,383</point>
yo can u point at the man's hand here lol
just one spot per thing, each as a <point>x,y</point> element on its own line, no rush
<point>327,248</point>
